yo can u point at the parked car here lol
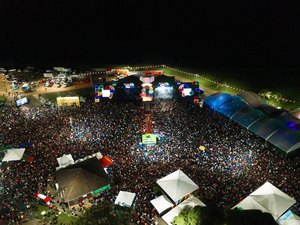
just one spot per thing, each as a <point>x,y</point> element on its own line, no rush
<point>86,80</point>
<point>66,84</point>
<point>42,81</point>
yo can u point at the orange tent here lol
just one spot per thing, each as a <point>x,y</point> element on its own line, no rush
<point>106,161</point>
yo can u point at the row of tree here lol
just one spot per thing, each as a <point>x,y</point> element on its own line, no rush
<point>106,213</point>
<point>213,216</point>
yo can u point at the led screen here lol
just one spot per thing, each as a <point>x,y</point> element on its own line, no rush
<point>22,101</point>
<point>106,93</point>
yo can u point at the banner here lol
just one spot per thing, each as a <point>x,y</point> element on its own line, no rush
<point>149,139</point>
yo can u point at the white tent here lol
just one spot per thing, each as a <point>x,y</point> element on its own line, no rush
<point>268,198</point>
<point>293,219</point>
<point>249,203</point>
<point>14,154</point>
<point>125,198</point>
<point>273,199</point>
<point>82,99</point>
<point>187,204</point>
<point>161,203</point>
<point>65,160</point>
<point>98,155</point>
<point>177,185</point>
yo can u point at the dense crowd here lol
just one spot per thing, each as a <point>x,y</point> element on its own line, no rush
<point>234,163</point>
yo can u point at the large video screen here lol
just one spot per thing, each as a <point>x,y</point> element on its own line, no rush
<point>22,101</point>
<point>149,139</point>
<point>105,93</point>
<point>164,91</point>
<point>147,79</point>
<point>188,90</point>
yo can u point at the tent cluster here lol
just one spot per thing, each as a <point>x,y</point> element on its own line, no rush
<point>280,128</point>
<point>268,198</point>
<point>176,187</point>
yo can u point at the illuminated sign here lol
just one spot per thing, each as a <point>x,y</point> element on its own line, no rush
<point>149,139</point>
<point>22,101</point>
<point>147,79</point>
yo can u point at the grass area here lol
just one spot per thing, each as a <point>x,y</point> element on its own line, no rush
<point>2,98</point>
<point>63,218</point>
<point>85,92</point>
<point>206,80</point>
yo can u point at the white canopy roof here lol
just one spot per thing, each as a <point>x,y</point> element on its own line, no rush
<point>82,99</point>
<point>14,154</point>
<point>293,219</point>
<point>125,198</point>
<point>268,198</point>
<point>187,204</point>
<point>249,203</point>
<point>65,160</point>
<point>161,203</point>
<point>98,155</point>
<point>177,185</point>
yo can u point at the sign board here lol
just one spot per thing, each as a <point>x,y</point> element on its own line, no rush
<point>149,139</point>
<point>22,101</point>
<point>98,191</point>
<point>61,69</point>
<point>48,75</point>
<point>68,101</point>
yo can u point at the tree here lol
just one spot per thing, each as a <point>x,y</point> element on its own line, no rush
<point>200,216</point>
<point>249,217</point>
<point>106,213</point>
<point>213,216</point>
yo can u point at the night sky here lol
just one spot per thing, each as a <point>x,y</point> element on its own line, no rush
<point>244,33</point>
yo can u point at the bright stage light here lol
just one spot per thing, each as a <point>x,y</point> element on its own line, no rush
<point>161,90</point>
<point>106,93</point>
<point>187,91</point>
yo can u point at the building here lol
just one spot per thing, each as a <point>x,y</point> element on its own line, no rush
<point>82,180</point>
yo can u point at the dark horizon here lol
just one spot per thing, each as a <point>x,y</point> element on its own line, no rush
<point>236,34</point>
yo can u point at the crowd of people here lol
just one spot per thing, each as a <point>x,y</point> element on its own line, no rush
<point>234,163</point>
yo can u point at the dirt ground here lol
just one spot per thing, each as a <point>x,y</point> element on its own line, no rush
<point>10,94</point>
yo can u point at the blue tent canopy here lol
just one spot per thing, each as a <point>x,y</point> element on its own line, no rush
<point>232,107</point>
<point>247,116</point>
<point>290,121</point>
<point>273,125</point>
<point>266,127</point>
<point>286,139</point>
<point>216,100</point>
